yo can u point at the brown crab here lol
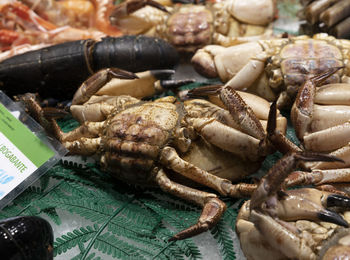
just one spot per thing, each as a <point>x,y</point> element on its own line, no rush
<point>294,224</point>
<point>146,142</point>
<point>275,68</point>
<point>189,27</point>
<point>320,117</point>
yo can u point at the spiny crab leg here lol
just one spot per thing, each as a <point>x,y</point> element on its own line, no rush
<point>343,153</point>
<point>83,140</point>
<point>251,136</point>
<point>213,208</point>
<point>170,159</point>
<point>318,177</point>
<point>303,106</point>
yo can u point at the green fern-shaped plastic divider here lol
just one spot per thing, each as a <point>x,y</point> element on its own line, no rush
<point>89,209</point>
<point>71,239</point>
<point>231,210</point>
<point>111,245</point>
<point>22,205</point>
<point>129,228</point>
<point>180,217</point>
<point>221,234</point>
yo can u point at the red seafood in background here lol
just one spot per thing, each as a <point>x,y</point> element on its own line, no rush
<point>30,25</point>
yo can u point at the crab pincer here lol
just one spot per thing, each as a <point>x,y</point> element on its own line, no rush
<point>114,81</point>
<point>273,181</point>
<point>246,116</point>
<point>276,212</point>
<point>303,106</point>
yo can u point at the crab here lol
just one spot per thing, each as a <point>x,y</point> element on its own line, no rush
<point>294,224</point>
<point>189,27</point>
<point>329,16</point>
<point>320,116</point>
<point>154,142</point>
<point>276,68</point>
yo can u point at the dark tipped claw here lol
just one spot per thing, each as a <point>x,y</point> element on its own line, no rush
<point>271,123</point>
<point>278,139</point>
<point>332,217</point>
<point>190,232</point>
<point>157,5</point>
<point>204,91</point>
<point>162,74</point>
<point>54,113</point>
<point>171,83</point>
<point>336,200</point>
<point>122,74</point>
<point>312,157</point>
<point>320,78</point>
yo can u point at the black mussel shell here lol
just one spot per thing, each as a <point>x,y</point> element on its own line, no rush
<point>26,237</point>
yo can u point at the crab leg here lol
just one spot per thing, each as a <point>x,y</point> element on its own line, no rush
<point>128,7</point>
<point>302,109</point>
<point>83,140</point>
<point>309,204</point>
<point>172,160</point>
<point>295,248</point>
<point>94,83</point>
<point>213,208</point>
<point>276,137</point>
<point>228,138</point>
<point>342,153</point>
<point>339,136</point>
<point>116,82</point>
<point>318,177</point>
<point>335,94</point>
<point>329,116</point>
<point>249,73</point>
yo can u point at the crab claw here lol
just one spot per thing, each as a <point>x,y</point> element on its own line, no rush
<point>211,213</point>
<point>311,204</point>
<point>162,74</point>
<point>302,110</point>
<point>54,113</point>
<point>45,116</point>
<point>204,91</point>
<point>276,137</point>
<point>273,180</point>
<point>128,7</point>
<point>235,104</point>
<point>97,81</point>
<point>336,200</point>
